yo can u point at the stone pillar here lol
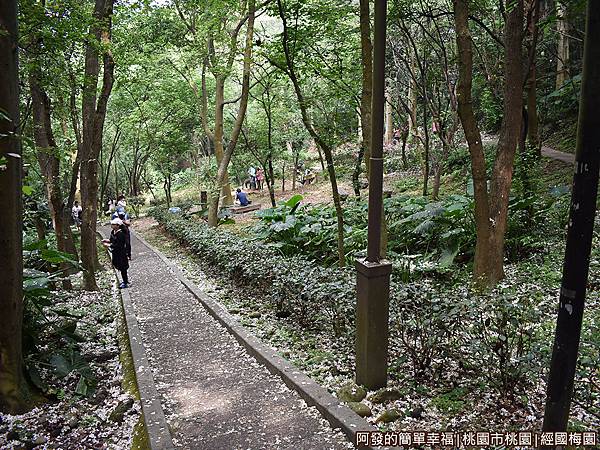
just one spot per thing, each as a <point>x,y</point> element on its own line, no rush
<point>372,313</point>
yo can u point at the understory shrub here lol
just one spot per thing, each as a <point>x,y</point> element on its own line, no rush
<point>290,285</point>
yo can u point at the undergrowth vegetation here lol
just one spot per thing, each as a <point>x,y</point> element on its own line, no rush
<point>442,329</point>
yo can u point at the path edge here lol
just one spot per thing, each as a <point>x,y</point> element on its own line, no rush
<point>157,429</point>
<point>336,413</point>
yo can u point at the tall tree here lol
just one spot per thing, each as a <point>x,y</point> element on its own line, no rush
<point>93,115</point>
<point>579,235</point>
<point>48,159</point>
<point>491,207</point>
<point>222,173</point>
<point>13,388</point>
<point>563,49</point>
<point>366,57</point>
<point>290,70</point>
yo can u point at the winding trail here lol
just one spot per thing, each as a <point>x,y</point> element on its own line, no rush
<point>568,158</point>
<point>213,393</point>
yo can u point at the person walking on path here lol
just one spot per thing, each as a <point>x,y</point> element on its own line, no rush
<point>252,175</point>
<point>121,203</point>
<point>126,224</point>
<point>117,243</point>
<point>76,213</point>
<point>260,177</point>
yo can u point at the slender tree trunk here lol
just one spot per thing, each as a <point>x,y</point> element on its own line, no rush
<point>14,392</point>
<point>413,131</point>
<point>509,139</point>
<point>292,150</point>
<point>272,185</point>
<point>426,140</point>
<point>320,157</point>
<point>321,144</point>
<point>222,177</point>
<point>359,159</point>
<point>366,56</point>
<point>224,186</point>
<point>94,113</point>
<point>563,55</point>
<point>533,137</point>
<point>579,235</point>
<point>439,169</point>
<point>404,141</point>
<point>389,123</point>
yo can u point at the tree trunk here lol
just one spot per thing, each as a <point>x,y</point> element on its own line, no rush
<point>439,169</point>
<point>562,51</point>
<point>490,209</point>
<point>366,56</point>
<point>321,144</point>
<point>579,235</point>
<point>389,123</point>
<point>94,113</point>
<point>533,137</point>
<point>508,140</point>
<point>291,149</point>
<point>224,186</point>
<point>14,398</point>
<point>426,140</point>
<point>222,177</point>
<point>359,159</point>
<point>50,167</point>
<point>404,141</point>
<point>413,132</point>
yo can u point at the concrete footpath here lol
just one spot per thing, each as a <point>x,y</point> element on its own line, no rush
<point>213,393</point>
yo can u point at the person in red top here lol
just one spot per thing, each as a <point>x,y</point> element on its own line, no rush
<point>260,177</point>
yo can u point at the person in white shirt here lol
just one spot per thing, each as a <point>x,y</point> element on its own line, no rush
<point>76,212</point>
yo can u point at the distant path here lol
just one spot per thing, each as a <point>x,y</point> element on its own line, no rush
<point>568,158</point>
<point>214,394</point>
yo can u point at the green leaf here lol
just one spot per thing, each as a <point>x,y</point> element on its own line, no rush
<point>82,387</point>
<point>54,256</point>
<point>35,284</point>
<point>37,245</point>
<point>293,201</point>
<point>448,255</point>
<point>27,190</point>
<point>62,367</point>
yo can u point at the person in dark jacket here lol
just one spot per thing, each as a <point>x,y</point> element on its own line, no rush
<point>126,224</point>
<point>118,246</point>
<point>242,197</point>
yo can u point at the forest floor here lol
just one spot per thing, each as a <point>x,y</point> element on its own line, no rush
<point>90,403</point>
<point>214,394</point>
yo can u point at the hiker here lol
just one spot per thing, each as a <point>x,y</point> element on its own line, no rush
<point>260,177</point>
<point>76,212</point>
<point>126,224</point>
<point>120,211</point>
<point>308,177</point>
<point>118,247</point>
<point>252,175</point>
<point>121,203</point>
<point>241,197</point>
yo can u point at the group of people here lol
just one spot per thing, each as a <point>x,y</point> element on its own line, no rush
<point>256,178</point>
<point>119,242</point>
